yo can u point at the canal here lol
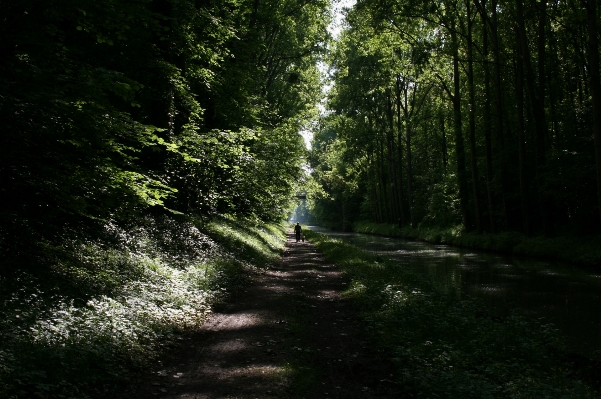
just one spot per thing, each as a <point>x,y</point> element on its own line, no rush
<point>566,295</point>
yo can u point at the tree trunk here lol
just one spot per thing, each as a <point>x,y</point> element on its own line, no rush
<point>410,178</point>
<point>487,120</point>
<point>408,146</point>
<point>376,176</point>
<point>458,130</point>
<point>400,150</point>
<point>445,153</point>
<point>373,187</point>
<point>537,100</point>
<point>499,128</point>
<point>545,203</point>
<point>472,120</point>
<point>519,88</point>
<point>391,161</point>
<point>593,61</point>
<point>382,183</point>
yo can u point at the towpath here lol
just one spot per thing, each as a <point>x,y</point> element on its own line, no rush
<point>288,334</point>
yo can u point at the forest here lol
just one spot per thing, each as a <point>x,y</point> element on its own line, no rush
<point>116,109</point>
<point>480,114</point>
<point>153,153</point>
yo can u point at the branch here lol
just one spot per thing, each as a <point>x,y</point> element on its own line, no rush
<point>445,87</point>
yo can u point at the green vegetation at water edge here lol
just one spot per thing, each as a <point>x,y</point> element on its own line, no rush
<point>101,312</point>
<point>579,250</point>
<point>445,346</point>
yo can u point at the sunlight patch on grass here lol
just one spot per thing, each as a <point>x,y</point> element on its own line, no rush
<point>101,312</point>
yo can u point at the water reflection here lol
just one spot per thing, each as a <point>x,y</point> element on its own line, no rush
<point>568,296</point>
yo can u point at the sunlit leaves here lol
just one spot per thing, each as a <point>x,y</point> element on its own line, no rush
<point>121,107</point>
<point>114,310</point>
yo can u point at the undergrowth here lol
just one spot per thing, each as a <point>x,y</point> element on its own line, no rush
<point>445,346</point>
<point>579,250</point>
<point>78,327</point>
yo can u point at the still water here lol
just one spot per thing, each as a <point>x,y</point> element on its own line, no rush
<point>566,295</point>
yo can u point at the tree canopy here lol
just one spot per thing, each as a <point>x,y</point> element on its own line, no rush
<point>114,109</point>
<point>477,113</point>
<point>483,113</point>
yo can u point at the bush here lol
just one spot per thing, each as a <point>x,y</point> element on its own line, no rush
<point>103,312</point>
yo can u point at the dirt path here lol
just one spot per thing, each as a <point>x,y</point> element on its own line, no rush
<point>289,334</point>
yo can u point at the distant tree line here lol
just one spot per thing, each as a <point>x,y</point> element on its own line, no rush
<point>481,113</point>
<point>112,110</point>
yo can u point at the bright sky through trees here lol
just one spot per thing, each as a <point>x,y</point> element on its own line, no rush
<point>338,9</point>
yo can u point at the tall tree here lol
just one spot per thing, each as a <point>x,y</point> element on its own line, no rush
<point>593,60</point>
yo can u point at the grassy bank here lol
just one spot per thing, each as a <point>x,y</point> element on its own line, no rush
<point>79,325</point>
<point>446,347</point>
<point>580,250</point>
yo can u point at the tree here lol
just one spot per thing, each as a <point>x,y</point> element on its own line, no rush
<point>519,86</point>
<point>116,110</point>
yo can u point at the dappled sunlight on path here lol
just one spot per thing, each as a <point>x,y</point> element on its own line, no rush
<point>289,334</point>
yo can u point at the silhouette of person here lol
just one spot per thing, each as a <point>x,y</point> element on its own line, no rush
<point>297,231</point>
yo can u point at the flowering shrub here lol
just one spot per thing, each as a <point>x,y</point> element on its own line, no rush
<point>104,311</point>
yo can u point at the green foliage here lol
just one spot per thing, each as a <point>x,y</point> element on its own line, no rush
<point>333,189</point>
<point>145,144</point>
<point>425,106</point>
<point>447,346</point>
<point>103,313</point>
<point>118,110</point>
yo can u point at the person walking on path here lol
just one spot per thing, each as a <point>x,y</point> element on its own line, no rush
<point>297,231</point>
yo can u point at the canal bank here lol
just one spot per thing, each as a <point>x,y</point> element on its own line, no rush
<point>578,250</point>
<point>450,344</point>
<point>569,297</point>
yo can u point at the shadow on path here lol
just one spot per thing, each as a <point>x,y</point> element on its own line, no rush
<point>289,334</point>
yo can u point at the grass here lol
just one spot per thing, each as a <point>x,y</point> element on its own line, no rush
<point>81,326</point>
<point>577,250</point>
<point>445,346</point>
